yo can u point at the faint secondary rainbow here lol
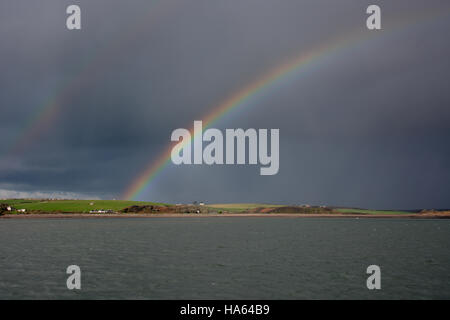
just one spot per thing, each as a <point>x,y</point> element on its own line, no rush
<point>47,112</point>
<point>266,81</point>
<point>41,120</point>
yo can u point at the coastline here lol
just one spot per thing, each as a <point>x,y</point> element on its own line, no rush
<point>213,215</point>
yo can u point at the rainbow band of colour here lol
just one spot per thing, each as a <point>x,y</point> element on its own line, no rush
<point>234,101</point>
<point>265,82</point>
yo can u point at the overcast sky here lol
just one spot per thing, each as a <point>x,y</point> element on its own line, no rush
<point>366,126</point>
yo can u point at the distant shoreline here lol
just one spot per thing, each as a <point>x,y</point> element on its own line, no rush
<point>213,215</point>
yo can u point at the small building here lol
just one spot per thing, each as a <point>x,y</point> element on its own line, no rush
<point>102,211</point>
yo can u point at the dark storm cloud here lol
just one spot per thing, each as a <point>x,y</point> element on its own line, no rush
<point>367,126</point>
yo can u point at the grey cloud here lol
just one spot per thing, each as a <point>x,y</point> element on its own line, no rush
<point>367,126</point>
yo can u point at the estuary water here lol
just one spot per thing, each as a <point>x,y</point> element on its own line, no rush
<point>224,258</point>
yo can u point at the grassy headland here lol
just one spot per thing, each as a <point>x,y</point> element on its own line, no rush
<point>30,207</point>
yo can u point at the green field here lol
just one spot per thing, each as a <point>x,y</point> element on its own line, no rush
<point>80,206</point>
<point>84,206</point>
<point>367,211</point>
<point>238,207</point>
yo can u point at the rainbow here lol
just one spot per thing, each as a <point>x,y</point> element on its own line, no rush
<point>48,112</point>
<point>265,82</point>
<point>40,121</point>
<point>238,99</point>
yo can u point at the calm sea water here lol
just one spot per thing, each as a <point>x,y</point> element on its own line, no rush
<point>224,258</point>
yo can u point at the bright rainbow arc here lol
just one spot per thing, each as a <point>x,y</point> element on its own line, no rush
<point>238,99</point>
<point>251,90</point>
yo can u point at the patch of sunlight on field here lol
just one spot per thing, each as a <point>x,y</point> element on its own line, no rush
<point>367,211</point>
<point>242,206</point>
